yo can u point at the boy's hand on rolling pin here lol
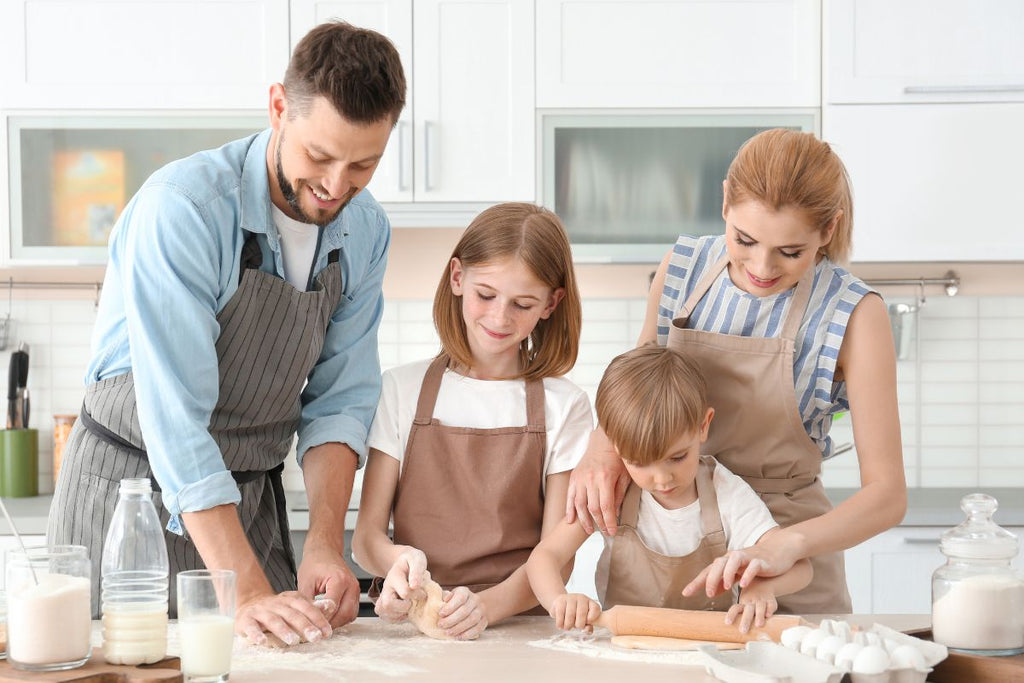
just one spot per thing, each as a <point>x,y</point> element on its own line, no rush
<point>756,603</point>
<point>406,576</point>
<point>574,610</point>
<point>463,614</point>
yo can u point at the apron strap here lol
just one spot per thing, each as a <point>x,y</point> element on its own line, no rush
<point>702,286</point>
<point>710,516</point>
<point>798,304</point>
<point>630,510</point>
<point>428,390</point>
<point>535,421</point>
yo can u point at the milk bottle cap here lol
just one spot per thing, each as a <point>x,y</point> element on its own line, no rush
<point>979,537</point>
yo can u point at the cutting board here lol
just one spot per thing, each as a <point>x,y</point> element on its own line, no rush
<point>960,668</point>
<point>98,671</point>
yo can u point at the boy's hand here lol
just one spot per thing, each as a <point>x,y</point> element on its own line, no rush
<point>406,576</point>
<point>463,614</point>
<point>756,603</point>
<point>574,610</point>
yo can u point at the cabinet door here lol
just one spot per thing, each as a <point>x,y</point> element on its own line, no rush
<point>931,182</point>
<point>473,89</point>
<point>681,53</point>
<point>924,51</point>
<point>152,54</point>
<point>392,181</point>
<point>892,572</point>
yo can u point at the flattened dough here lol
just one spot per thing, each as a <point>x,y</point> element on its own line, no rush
<point>661,643</point>
<point>423,613</point>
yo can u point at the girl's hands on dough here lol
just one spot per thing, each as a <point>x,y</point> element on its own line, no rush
<point>462,615</point>
<point>406,576</point>
<point>574,610</point>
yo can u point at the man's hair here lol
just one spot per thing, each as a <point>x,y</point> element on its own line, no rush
<point>356,69</point>
<point>648,399</point>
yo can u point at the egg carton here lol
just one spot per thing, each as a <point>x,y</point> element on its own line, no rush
<point>876,655</point>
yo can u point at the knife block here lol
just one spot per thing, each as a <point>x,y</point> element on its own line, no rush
<point>19,463</point>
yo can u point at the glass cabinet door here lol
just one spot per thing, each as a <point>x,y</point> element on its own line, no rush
<point>627,185</point>
<point>70,176</point>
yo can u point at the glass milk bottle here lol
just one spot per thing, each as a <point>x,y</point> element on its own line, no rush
<point>977,596</point>
<point>134,579</point>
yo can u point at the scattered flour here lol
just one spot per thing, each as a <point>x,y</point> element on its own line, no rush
<point>599,645</point>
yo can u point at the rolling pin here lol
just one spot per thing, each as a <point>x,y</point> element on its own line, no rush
<point>692,624</point>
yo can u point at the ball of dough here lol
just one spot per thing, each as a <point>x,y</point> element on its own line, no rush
<point>425,606</point>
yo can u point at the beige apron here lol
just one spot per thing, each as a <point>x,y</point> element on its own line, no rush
<point>630,573</point>
<point>757,431</point>
<point>471,499</point>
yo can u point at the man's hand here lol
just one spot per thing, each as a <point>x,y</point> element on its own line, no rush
<point>289,616</point>
<point>324,572</point>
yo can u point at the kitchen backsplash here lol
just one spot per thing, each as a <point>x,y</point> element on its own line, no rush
<point>961,383</point>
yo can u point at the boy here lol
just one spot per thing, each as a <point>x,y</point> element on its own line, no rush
<point>681,512</point>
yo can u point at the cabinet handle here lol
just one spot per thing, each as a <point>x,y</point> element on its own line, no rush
<point>402,187</point>
<point>428,184</point>
<point>921,541</point>
<point>940,89</point>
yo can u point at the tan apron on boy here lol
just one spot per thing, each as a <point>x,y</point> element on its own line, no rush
<point>757,431</point>
<point>471,499</point>
<point>630,573</point>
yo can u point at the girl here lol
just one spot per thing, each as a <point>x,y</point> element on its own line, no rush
<point>786,338</point>
<point>470,452</point>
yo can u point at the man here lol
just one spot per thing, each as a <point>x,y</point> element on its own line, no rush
<point>240,306</point>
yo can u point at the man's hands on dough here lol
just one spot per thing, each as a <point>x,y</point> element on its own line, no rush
<point>289,616</point>
<point>407,575</point>
<point>324,572</point>
<point>463,614</point>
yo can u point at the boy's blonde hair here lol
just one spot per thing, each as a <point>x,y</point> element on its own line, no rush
<point>783,168</point>
<point>648,399</point>
<point>536,237</point>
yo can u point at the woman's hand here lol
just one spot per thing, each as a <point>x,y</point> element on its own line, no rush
<point>463,615</point>
<point>574,610</point>
<point>407,575</point>
<point>597,486</point>
<point>773,555</point>
<point>757,602</point>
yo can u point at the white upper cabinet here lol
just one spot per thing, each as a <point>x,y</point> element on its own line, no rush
<point>392,181</point>
<point>880,51</point>
<point>678,53</point>
<point>150,54</point>
<point>932,182</point>
<point>467,133</point>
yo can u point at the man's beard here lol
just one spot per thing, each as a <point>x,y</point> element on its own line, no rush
<point>293,199</point>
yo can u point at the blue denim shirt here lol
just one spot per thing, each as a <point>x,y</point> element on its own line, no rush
<point>174,263</point>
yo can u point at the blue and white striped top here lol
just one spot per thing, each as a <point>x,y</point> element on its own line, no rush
<point>727,309</point>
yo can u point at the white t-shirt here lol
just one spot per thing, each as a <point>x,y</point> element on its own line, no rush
<point>675,533</point>
<point>298,244</point>
<point>482,404</point>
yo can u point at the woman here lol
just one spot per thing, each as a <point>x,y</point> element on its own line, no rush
<point>787,339</point>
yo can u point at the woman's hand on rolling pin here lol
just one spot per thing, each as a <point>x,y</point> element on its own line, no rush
<point>574,610</point>
<point>756,603</point>
<point>406,576</point>
<point>463,614</point>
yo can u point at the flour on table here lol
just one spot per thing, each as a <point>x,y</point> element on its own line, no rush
<point>599,645</point>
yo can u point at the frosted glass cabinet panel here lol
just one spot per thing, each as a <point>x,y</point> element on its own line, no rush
<point>70,176</point>
<point>627,185</point>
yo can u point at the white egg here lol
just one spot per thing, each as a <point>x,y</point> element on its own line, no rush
<point>847,653</point>
<point>842,628</point>
<point>791,637</point>
<point>809,643</point>
<point>908,657</point>
<point>828,648</point>
<point>871,660</point>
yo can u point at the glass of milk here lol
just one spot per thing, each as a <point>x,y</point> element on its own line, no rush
<point>206,624</point>
<point>49,617</point>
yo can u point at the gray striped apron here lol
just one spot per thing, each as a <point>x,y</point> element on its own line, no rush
<point>271,336</point>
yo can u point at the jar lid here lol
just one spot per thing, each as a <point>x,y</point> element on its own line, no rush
<point>979,537</point>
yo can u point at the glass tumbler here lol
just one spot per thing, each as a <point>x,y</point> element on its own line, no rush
<point>206,624</point>
<point>49,617</point>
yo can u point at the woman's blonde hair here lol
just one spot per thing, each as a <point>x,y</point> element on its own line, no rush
<point>783,168</point>
<point>648,399</point>
<point>536,237</point>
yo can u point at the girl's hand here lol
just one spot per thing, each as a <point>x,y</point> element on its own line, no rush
<point>407,575</point>
<point>574,610</point>
<point>757,602</point>
<point>463,615</point>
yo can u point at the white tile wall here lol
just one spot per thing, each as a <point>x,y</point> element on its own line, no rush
<point>961,386</point>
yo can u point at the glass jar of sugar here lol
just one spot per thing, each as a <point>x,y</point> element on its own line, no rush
<point>977,596</point>
<point>49,618</point>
